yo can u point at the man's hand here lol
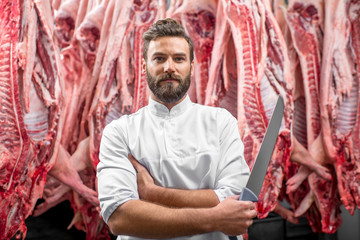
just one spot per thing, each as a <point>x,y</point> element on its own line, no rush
<point>234,216</point>
<point>177,198</point>
<point>145,181</point>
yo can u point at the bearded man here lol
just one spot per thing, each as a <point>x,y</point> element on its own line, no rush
<point>174,169</point>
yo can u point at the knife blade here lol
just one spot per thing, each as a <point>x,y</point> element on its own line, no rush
<point>257,175</point>
<point>258,172</point>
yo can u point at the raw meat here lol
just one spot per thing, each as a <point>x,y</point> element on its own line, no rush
<point>30,133</point>
<point>339,97</point>
<point>246,53</point>
<point>198,19</point>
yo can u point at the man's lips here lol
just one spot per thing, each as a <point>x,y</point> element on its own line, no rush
<point>169,80</point>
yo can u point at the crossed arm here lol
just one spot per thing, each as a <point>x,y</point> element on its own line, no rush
<point>165,212</point>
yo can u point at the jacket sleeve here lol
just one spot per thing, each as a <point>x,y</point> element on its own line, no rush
<point>116,175</point>
<point>233,172</point>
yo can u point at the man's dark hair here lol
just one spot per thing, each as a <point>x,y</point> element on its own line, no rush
<point>165,28</point>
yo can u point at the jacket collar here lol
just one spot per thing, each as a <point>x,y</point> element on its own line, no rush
<point>161,110</point>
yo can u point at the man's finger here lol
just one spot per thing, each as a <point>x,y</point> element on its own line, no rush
<point>235,197</point>
<point>131,157</point>
<point>134,162</point>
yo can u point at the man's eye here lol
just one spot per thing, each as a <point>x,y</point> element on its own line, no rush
<point>179,59</point>
<point>158,59</point>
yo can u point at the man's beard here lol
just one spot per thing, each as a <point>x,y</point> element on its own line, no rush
<point>167,92</point>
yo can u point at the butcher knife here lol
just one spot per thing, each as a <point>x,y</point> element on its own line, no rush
<point>257,175</point>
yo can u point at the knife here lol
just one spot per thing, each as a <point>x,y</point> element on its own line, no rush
<point>257,175</point>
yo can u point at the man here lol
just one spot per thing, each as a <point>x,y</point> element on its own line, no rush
<point>174,168</point>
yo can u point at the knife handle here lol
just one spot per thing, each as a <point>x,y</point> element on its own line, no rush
<point>248,195</point>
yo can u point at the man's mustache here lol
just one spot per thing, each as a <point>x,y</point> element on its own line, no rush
<point>169,76</point>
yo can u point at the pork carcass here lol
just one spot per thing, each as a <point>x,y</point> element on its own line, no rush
<point>86,216</point>
<point>110,82</point>
<point>65,19</point>
<point>304,20</point>
<point>279,10</point>
<point>259,74</point>
<point>31,129</point>
<point>85,7</point>
<point>219,72</point>
<point>198,19</point>
<point>56,4</point>
<point>78,171</point>
<point>105,31</point>
<point>78,60</point>
<point>276,80</point>
<point>339,97</point>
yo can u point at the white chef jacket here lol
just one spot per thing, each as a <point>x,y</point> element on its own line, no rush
<point>189,147</point>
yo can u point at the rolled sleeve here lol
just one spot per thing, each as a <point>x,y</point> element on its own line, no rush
<point>233,172</point>
<point>116,175</point>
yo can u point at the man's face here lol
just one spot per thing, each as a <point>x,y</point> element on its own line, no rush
<point>168,68</point>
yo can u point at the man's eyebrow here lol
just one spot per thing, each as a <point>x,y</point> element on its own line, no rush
<point>158,53</point>
<point>180,54</point>
<point>162,54</point>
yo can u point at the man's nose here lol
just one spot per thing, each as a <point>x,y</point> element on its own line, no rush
<point>169,66</point>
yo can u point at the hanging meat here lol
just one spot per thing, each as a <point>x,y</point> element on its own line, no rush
<point>250,85</point>
<point>31,104</point>
<point>305,23</point>
<point>339,97</point>
<point>198,19</point>
<point>78,61</point>
<point>70,67</point>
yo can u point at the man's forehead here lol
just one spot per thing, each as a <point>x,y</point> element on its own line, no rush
<point>169,45</point>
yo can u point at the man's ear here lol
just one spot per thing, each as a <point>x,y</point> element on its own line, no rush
<point>192,67</point>
<point>143,65</point>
